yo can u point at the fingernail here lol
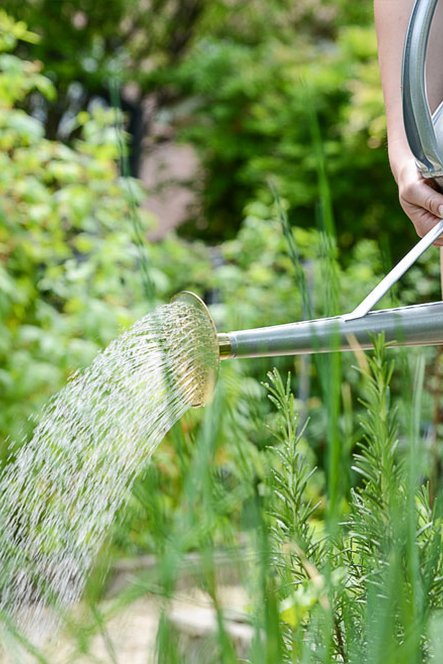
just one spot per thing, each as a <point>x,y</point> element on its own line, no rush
<point>440,211</point>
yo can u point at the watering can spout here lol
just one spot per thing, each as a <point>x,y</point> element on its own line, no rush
<point>418,325</point>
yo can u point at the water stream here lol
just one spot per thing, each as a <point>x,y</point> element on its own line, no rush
<point>59,496</point>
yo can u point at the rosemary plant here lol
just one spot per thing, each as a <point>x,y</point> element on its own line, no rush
<point>369,590</point>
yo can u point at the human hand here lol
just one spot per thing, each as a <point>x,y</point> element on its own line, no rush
<point>420,199</point>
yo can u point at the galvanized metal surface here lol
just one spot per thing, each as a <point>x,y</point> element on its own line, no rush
<point>423,130</point>
<point>419,325</point>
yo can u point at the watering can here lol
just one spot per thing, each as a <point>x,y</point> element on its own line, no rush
<point>418,325</point>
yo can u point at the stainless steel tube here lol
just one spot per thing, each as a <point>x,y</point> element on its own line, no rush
<point>420,325</point>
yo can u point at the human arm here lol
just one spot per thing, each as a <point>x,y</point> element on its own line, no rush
<point>418,197</point>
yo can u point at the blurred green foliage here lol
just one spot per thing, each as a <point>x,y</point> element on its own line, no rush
<point>256,116</point>
<point>68,252</point>
<point>70,256</point>
<point>248,85</point>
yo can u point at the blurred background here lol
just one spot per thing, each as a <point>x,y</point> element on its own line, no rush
<point>237,149</point>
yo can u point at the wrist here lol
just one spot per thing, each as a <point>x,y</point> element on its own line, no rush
<point>399,156</point>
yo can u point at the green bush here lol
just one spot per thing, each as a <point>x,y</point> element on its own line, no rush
<point>71,264</point>
<point>268,110</point>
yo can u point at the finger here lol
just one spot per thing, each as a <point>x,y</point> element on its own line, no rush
<point>424,205</point>
<point>423,222</point>
<point>422,195</point>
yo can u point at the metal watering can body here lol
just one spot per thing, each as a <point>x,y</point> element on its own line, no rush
<point>424,130</point>
<point>403,326</point>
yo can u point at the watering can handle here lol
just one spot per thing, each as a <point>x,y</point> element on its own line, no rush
<point>423,131</point>
<point>420,125</point>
